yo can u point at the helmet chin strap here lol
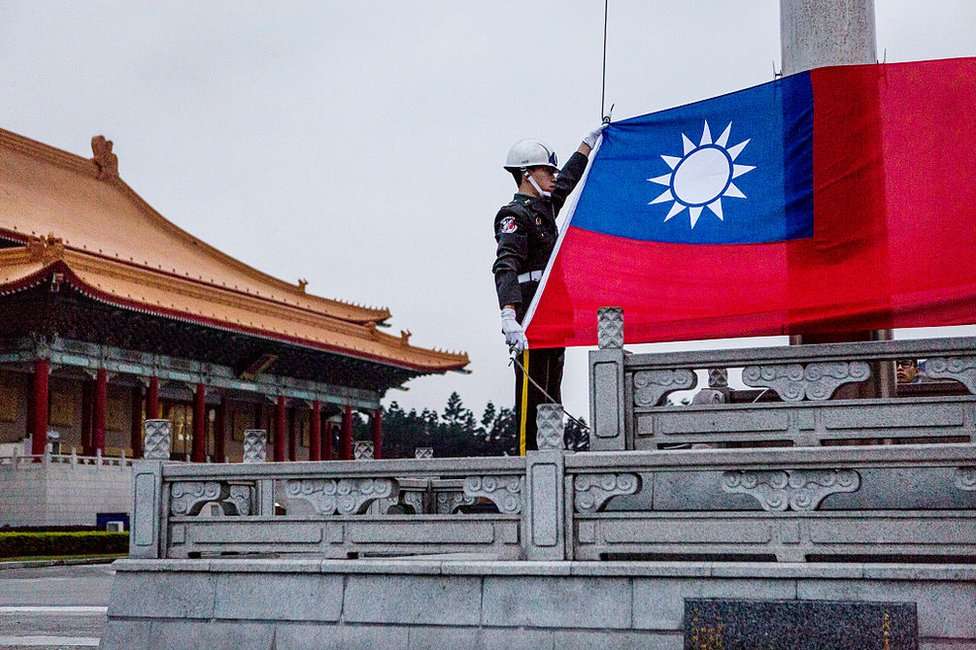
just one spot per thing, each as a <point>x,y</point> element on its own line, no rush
<point>536,187</point>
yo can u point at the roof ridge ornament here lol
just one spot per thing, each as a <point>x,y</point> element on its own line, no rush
<point>45,249</point>
<point>107,162</point>
<point>302,283</point>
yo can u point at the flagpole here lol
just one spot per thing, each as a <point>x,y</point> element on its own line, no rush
<point>817,33</point>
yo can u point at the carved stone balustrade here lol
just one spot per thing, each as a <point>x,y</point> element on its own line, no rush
<point>798,403</point>
<point>791,504</point>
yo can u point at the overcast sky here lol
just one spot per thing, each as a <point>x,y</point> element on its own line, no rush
<point>359,144</point>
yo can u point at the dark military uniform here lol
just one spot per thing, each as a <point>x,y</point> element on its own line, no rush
<point>526,233</point>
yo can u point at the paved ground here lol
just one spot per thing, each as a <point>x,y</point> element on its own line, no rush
<point>53,607</point>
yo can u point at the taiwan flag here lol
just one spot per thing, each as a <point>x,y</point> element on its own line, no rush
<point>837,200</point>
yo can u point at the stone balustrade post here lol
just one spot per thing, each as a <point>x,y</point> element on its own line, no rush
<point>363,450</point>
<point>545,489</point>
<point>256,451</point>
<point>145,539</point>
<point>607,390</point>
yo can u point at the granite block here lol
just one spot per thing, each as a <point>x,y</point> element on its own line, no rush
<point>500,638</point>
<point>371,637</point>
<point>557,602</point>
<point>436,638</point>
<point>279,597</point>
<point>659,602</point>
<point>125,635</point>
<point>162,595</point>
<point>592,640</point>
<point>210,635</point>
<point>301,636</point>
<point>432,600</point>
<point>503,567</point>
<point>945,610</point>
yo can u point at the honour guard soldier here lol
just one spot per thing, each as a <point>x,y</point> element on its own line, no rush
<point>526,233</point>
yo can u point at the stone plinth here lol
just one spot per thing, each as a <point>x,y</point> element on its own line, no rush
<point>469,602</point>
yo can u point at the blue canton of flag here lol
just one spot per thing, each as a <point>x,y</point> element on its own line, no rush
<point>734,169</point>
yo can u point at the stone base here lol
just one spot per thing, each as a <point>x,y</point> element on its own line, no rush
<point>469,603</point>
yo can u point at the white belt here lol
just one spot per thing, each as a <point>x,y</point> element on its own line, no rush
<point>531,276</point>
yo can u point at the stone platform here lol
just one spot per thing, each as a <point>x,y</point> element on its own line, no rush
<point>469,602</point>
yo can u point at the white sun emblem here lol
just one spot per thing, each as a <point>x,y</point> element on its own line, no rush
<point>702,175</point>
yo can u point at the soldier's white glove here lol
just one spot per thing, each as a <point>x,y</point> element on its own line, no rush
<point>590,138</point>
<point>514,334</point>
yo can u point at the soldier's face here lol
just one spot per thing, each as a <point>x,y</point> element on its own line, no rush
<point>545,177</point>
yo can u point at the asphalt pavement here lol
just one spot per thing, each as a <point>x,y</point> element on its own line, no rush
<point>53,607</point>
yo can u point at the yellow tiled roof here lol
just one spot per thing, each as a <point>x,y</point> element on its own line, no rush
<point>80,217</point>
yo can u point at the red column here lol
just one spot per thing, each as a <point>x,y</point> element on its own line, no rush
<point>86,418</point>
<point>98,412</point>
<point>135,428</point>
<point>280,426</point>
<point>220,426</point>
<point>152,399</point>
<point>292,435</point>
<point>42,368</point>
<point>377,424</point>
<point>346,446</point>
<point>315,432</point>
<point>199,454</point>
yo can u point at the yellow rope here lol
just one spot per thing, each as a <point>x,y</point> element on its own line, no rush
<point>524,406</point>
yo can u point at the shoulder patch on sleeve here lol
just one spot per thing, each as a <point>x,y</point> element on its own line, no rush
<point>507,225</point>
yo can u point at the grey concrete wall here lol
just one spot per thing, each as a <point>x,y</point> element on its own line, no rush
<point>468,603</point>
<point>62,494</point>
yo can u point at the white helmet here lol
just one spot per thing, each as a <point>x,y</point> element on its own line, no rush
<point>531,153</point>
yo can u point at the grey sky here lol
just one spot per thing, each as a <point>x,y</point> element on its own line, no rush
<point>359,144</point>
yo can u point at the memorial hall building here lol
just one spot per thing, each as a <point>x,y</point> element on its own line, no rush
<point>110,314</point>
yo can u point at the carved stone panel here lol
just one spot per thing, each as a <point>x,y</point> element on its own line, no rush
<point>792,489</point>
<point>962,369</point>
<point>549,426</point>
<point>594,490</point>
<point>610,328</point>
<point>504,491</point>
<point>965,478</point>
<point>157,437</point>
<point>255,445</point>
<point>239,500</point>
<point>814,381</point>
<point>186,498</point>
<point>414,500</point>
<point>347,496</point>
<point>447,503</point>
<point>423,452</point>
<point>652,385</point>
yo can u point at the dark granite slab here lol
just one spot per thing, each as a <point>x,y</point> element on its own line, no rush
<point>723,624</point>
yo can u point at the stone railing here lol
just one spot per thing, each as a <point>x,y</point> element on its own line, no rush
<point>789,504</point>
<point>18,461</point>
<point>807,395</point>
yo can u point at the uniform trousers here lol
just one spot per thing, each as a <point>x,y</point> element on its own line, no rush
<point>545,367</point>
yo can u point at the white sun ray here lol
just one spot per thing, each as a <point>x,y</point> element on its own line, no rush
<point>739,170</point>
<point>675,209</point>
<point>664,196</point>
<point>671,161</point>
<point>737,149</point>
<point>716,208</point>
<point>661,180</point>
<point>734,191</point>
<point>706,136</point>
<point>695,213</point>
<point>689,146</point>
<point>724,138</point>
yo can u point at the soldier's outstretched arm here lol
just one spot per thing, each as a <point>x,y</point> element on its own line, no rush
<point>571,173</point>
